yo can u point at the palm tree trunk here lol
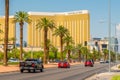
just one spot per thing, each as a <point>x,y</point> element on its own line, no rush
<point>86,56</point>
<point>21,40</point>
<point>45,46</point>
<point>69,56</point>
<point>6,30</point>
<point>48,54</point>
<point>79,56</point>
<point>61,45</point>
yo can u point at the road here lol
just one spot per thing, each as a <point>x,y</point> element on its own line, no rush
<point>76,72</point>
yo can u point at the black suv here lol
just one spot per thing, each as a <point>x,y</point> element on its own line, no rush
<point>31,64</point>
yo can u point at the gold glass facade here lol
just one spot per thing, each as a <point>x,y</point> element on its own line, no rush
<point>77,22</point>
<point>11,30</point>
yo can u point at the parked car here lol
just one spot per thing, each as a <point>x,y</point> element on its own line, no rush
<point>31,64</point>
<point>89,63</point>
<point>107,61</point>
<point>102,61</point>
<point>13,60</point>
<point>63,64</point>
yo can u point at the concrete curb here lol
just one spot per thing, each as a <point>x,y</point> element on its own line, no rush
<point>105,75</point>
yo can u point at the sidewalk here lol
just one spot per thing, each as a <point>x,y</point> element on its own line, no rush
<point>106,75</point>
<point>12,68</point>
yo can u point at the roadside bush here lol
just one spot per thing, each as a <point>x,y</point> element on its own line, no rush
<point>35,54</point>
<point>38,54</point>
<point>14,53</point>
<point>1,56</point>
<point>116,77</point>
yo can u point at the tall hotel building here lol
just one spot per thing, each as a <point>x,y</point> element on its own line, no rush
<point>11,30</point>
<point>77,22</point>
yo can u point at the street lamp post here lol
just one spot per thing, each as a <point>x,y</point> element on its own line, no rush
<point>116,44</point>
<point>109,25</point>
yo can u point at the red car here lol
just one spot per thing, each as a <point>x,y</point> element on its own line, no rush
<point>63,64</point>
<point>89,63</point>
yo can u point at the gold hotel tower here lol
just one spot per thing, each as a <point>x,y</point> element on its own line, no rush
<point>77,22</point>
<point>11,29</point>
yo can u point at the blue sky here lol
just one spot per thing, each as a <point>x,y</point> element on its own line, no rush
<point>98,11</point>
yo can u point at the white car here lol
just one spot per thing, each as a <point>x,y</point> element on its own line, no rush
<point>102,61</point>
<point>13,60</point>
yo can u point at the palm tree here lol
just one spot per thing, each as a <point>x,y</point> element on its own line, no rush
<point>85,52</point>
<point>21,17</point>
<point>68,48</point>
<point>6,31</point>
<point>79,49</point>
<point>45,24</point>
<point>54,50</point>
<point>49,45</point>
<point>95,54</point>
<point>68,40</point>
<point>61,31</point>
<point>105,51</point>
<point>112,56</point>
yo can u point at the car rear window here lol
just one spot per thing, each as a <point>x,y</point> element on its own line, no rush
<point>31,60</point>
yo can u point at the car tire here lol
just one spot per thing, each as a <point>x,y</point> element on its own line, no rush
<point>91,65</point>
<point>41,70</point>
<point>21,70</point>
<point>34,70</point>
<point>68,66</point>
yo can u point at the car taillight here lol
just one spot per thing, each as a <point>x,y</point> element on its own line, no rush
<point>65,64</point>
<point>33,65</point>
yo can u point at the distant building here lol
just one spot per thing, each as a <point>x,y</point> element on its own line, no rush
<point>77,22</point>
<point>24,44</point>
<point>101,44</point>
<point>11,29</point>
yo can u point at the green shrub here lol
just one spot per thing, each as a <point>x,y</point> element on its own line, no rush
<point>116,77</point>
<point>1,56</point>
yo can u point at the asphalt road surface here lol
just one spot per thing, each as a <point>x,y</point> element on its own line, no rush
<point>75,72</point>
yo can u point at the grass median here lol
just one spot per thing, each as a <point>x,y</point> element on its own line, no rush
<point>116,77</point>
<point>11,63</point>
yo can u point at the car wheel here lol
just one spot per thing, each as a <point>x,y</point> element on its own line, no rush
<point>91,65</point>
<point>21,70</point>
<point>34,70</point>
<point>68,66</point>
<point>41,70</point>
